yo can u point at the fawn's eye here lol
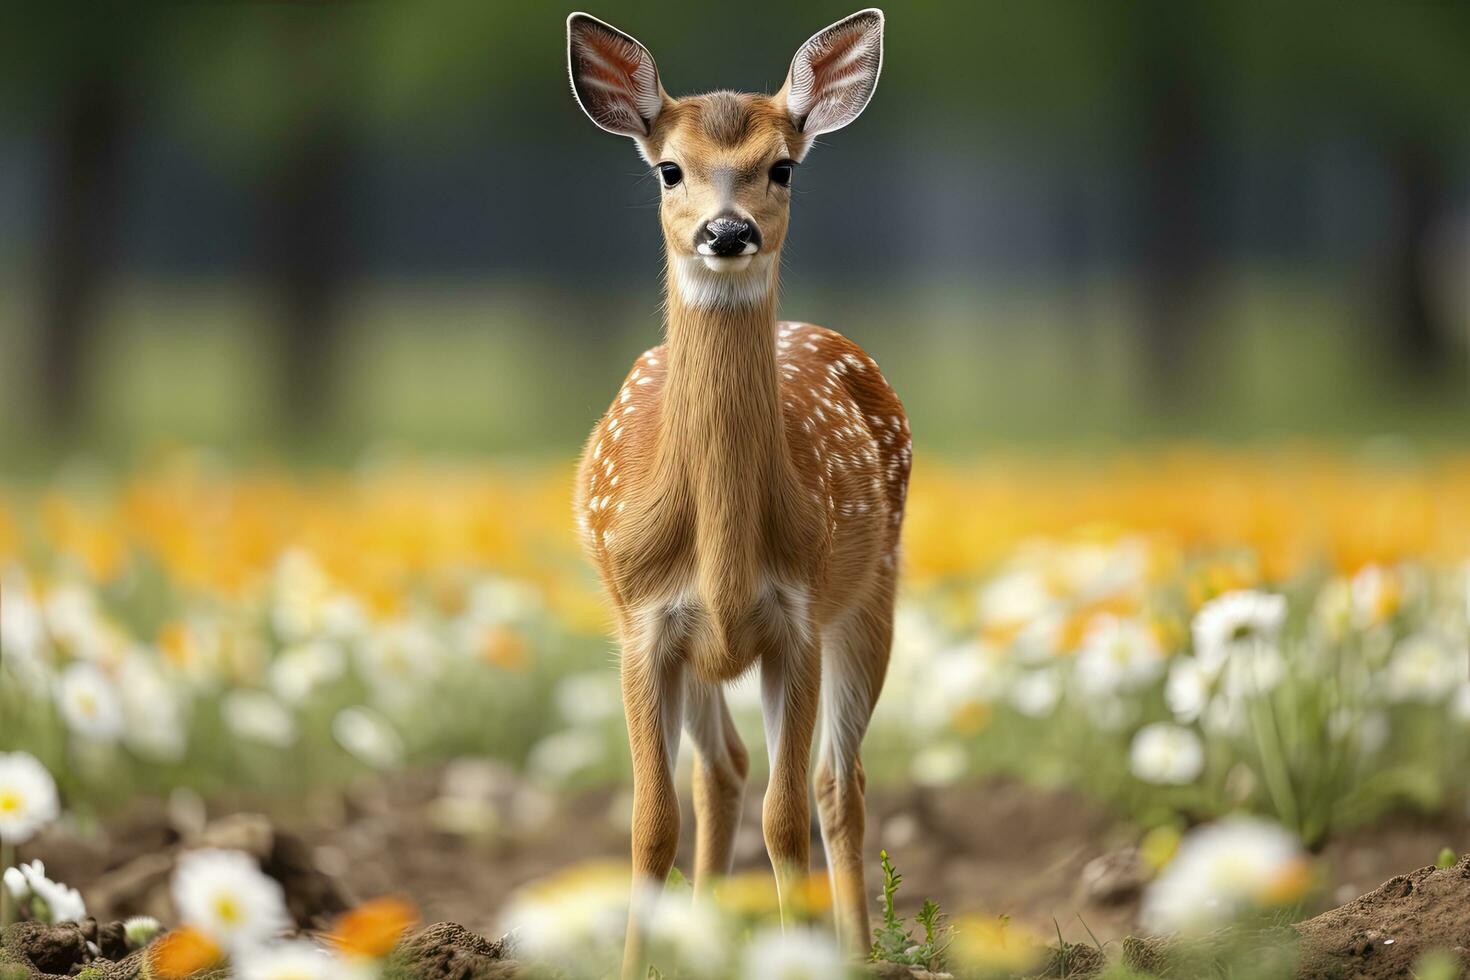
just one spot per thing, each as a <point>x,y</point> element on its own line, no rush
<point>781,172</point>
<point>670,174</point>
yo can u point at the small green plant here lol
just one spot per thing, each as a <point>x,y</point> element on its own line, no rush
<point>1437,964</point>
<point>894,941</point>
<point>1446,859</point>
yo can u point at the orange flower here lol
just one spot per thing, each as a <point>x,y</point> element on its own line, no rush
<point>372,929</point>
<point>183,953</point>
<point>1288,884</point>
<point>504,647</point>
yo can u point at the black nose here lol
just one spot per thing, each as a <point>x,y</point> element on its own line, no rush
<point>729,236</point>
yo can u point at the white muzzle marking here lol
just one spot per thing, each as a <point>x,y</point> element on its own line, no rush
<point>707,281</point>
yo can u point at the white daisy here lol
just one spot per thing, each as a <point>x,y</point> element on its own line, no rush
<point>795,954</point>
<point>578,914</point>
<point>257,717</point>
<point>1187,690</point>
<point>27,797</point>
<point>1014,598</point>
<point>1222,871</point>
<point>49,901</point>
<point>1377,594</point>
<point>225,895</point>
<point>962,679</point>
<point>1234,621</point>
<point>72,618</point>
<point>1423,668</point>
<point>1165,754</point>
<point>589,698</point>
<point>1093,572</point>
<point>152,710</point>
<point>293,959</point>
<point>1253,671</point>
<point>397,660</point>
<point>300,670</point>
<point>1035,693</point>
<point>343,617</point>
<point>1118,655</point>
<point>23,635</point>
<point>89,702</point>
<point>502,600</point>
<point>368,736</point>
<point>561,755</point>
<point>690,931</point>
<point>938,765</point>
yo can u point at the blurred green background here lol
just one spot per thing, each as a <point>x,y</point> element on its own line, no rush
<point>322,227</point>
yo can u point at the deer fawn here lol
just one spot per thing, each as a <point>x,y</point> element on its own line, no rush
<point>742,498</point>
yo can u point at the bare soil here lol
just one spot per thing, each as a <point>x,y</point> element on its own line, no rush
<point>1049,859</point>
<point>1385,932</point>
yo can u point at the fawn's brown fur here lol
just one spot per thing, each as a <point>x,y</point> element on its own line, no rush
<point>743,496</point>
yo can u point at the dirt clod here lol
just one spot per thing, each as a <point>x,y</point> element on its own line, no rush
<point>1115,878</point>
<point>1383,933</point>
<point>313,898</point>
<point>449,951</point>
<point>1073,961</point>
<point>47,948</point>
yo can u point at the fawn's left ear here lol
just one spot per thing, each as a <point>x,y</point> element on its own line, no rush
<point>834,74</point>
<point>614,78</point>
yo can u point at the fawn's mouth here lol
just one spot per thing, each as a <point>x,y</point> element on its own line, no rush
<point>727,263</point>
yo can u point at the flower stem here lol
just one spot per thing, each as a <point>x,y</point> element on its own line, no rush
<point>7,860</point>
<point>1274,766</point>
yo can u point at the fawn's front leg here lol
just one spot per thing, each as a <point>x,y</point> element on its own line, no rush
<point>790,692</point>
<point>653,702</point>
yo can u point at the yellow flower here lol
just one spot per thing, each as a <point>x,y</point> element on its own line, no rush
<point>996,943</point>
<point>9,533</point>
<point>1159,845</point>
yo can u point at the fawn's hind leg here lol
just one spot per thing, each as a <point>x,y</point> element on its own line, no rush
<point>790,683</point>
<point>854,661</point>
<point>720,768</point>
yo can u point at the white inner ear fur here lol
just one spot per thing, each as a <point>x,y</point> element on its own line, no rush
<point>826,95</point>
<point>626,109</point>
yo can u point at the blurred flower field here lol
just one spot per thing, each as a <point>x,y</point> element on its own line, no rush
<point>1271,645</point>
<point>1182,633</point>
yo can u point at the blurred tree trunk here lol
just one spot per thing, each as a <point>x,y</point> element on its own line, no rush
<point>306,241</point>
<point>1175,247</point>
<point>81,211</point>
<point>1420,197</point>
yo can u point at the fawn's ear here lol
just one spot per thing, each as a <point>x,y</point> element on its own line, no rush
<point>614,78</point>
<point>834,74</point>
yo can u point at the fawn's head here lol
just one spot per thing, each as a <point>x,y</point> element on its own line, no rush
<point>725,160</point>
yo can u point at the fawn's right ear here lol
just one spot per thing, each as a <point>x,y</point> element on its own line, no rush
<point>613,77</point>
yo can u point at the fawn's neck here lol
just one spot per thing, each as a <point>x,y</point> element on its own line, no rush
<point>722,434</point>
